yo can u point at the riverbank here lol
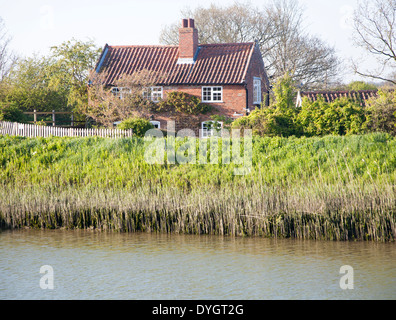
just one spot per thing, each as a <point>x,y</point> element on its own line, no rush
<point>330,188</point>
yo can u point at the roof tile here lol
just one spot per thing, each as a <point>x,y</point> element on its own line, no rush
<point>330,96</point>
<point>215,63</point>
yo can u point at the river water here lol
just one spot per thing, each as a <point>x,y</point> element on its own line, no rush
<point>99,265</point>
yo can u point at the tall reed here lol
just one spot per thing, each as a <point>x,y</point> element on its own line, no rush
<point>332,188</point>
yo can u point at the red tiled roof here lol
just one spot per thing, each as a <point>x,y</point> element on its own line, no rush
<point>330,96</point>
<point>215,63</point>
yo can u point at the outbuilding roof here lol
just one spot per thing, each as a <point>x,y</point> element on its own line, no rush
<point>330,96</point>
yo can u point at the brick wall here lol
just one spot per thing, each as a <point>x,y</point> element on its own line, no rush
<point>234,101</point>
<point>256,69</point>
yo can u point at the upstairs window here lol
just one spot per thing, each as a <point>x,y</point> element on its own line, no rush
<point>154,94</point>
<point>256,91</point>
<point>120,92</point>
<point>212,94</point>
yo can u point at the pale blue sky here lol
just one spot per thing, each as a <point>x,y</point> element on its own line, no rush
<point>36,25</point>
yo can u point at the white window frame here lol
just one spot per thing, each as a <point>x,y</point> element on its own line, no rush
<point>212,94</point>
<point>257,99</point>
<point>120,92</point>
<point>206,133</point>
<point>156,123</point>
<point>155,97</point>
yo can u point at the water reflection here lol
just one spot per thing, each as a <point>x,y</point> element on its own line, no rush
<point>99,265</point>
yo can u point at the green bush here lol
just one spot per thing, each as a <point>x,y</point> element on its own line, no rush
<point>315,118</point>
<point>10,112</point>
<point>139,126</point>
<point>381,112</point>
<point>279,119</point>
<point>183,102</point>
<point>340,117</point>
<point>269,121</point>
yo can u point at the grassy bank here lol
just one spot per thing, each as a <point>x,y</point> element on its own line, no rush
<point>335,188</point>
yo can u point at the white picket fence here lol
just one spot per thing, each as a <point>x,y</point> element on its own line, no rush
<point>31,130</point>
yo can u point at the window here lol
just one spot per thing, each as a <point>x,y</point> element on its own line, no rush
<point>120,92</point>
<point>153,93</point>
<point>156,94</point>
<point>156,124</point>
<point>211,128</point>
<point>212,94</point>
<point>256,90</point>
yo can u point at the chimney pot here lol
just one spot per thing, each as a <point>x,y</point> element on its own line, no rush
<point>191,23</point>
<point>184,23</point>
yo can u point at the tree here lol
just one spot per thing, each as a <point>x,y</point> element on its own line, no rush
<point>130,98</point>
<point>381,112</point>
<point>374,28</point>
<point>57,82</point>
<point>27,86</point>
<point>310,61</point>
<point>7,59</point>
<point>72,62</point>
<point>277,29</point>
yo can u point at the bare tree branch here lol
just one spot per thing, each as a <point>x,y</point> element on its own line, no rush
<point>374,23</point>
<point>7,59</point>
<point>277,29</point>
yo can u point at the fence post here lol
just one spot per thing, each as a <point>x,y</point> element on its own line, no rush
<point>53,118</point>
<point>35,116</point>
<point>72,119</point>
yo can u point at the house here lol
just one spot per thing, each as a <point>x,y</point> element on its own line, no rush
<point>229,76</point>
<point>329,96</point>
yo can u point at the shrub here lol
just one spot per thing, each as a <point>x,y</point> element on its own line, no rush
<point>340,117</point>
<point>269,121</point>
<point>183,102</point>
<point>139,126</point>
<point>279,119</point>
<point>381,112</point>
<point>11,112</point>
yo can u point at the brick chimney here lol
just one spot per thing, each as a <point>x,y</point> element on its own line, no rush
<point>188,41</point>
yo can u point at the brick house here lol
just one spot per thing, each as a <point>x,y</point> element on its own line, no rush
<point>229,76</point>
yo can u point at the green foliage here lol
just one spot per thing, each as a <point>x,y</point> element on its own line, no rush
<point>284,92</point>
<point>317,118</point>
<point>269,121</point>
<point>11,112</point>
<point>28,87</point>
<point>73,60</point>
<point>183,102</point>
<point>360,85</point>
<point>54,82</point>
<point>227,122</point>
<point>139,126</point>
<point>279,119</point>
<point>381,112</point>
<point>341,117</point>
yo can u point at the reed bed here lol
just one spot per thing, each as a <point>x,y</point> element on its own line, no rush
<point>330,188</point>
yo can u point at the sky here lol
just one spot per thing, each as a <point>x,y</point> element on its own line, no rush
<point>36,25</point>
